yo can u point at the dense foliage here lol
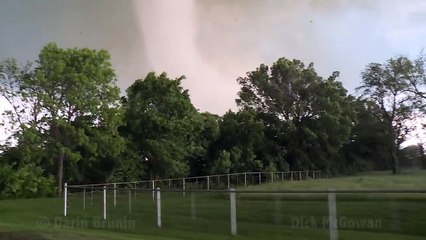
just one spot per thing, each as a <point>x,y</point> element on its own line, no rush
<point>69,123</point>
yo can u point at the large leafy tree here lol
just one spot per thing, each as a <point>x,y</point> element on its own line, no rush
<point>388,85</point>
<point>366,149</point>
<point>241,137</point>
<point>69,99</point>
<point>162,124</point>
<point>307,114</point>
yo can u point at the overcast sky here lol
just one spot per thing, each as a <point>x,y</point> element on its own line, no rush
<point>212,42</point>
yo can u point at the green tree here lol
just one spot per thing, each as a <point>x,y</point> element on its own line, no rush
<point>308,115</point>
<point>366,148</point>
<point>162,124</point>
<point>51,97</point>
<point>388,86</point>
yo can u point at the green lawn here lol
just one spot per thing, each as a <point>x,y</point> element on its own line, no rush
<point>206,215</point>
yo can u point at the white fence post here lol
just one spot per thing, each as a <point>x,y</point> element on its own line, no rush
<point>183,186</point>
<point>245,179</point>
<point>208,183</point>
<point>260,178</point>
<point>105,207</point>
<point>84,198</point>
<point>153,190</point>
<point>307,174</point>
<point>233,211</point>
<point>115,194</point>
<point>291,175</point>
<point>332,214</point>
<point>313,174</point>
<point>300,175</point>
<point>130,201</point>
<point>272,177</point>
<point>229,184</point>
<point>158,207</point>
<point>91,197</point>
<point>65,199</point>
<point>193,209</point>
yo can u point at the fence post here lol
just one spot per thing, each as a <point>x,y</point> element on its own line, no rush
<point>260,178</point>
<point>84,198</point>
<point>135,189</point>
<point>115,194</point>
<point>208,183</point>
<point>170,183</point>
<point>91,198</point>
<point>282,176</point>
<point>272,177</point>
<point>233,211</point>
<point>291,175</point>
<point>153,190</point>
<point>183,187</point>
<point>130,201</point>
<point>158,207</point>
<point>307,174</point>
<point>245,179</point>
<point>313,174</point>
<point>229,184</point>
<point>193,209</point>
<point>105,207</point>
<point>65,199</point>
<point>332,214</point>
<point>300,175</point>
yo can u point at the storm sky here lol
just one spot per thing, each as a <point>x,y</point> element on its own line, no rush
<point>212,42</point>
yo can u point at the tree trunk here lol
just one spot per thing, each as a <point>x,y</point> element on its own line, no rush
<point>60,174</point>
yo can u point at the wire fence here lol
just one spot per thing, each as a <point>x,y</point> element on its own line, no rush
<point>206,205</point>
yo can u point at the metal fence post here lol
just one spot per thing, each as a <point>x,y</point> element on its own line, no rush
<point>208,183</point>
<point>260,178</point>
<point>245,179</point>
<point>105,207</point>
<point>291,175</point>
<point>332,214</point>
<point>84,198</point>
<point>282,176</point>
<point>300,175</point>
<point>158,207</point>
<point>233,211</point>
<point>307,174</point>
<point>135,189</point>
<point>91,198</point>
<point>130,201</point>
<point>313,174</point>
<point>229,184</point>
<point>193,209</point>
<point>183,186</point>
<point>65,199</point>
<point>115,194</point>
<point>153,190</point>
<point>272,177</point>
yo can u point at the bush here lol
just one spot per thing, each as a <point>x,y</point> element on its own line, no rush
<point>26,181</point>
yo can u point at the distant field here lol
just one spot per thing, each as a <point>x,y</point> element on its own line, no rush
<point>409,179</point>
<point>260,216</point>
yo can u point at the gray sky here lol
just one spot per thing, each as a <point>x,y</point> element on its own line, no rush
<point>213,42</point>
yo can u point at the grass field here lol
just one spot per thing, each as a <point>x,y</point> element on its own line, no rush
<point>206,215</point>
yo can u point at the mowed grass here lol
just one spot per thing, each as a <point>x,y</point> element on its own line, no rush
<point>206,215</point>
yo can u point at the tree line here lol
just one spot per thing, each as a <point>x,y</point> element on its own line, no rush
<point>70,124</point>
